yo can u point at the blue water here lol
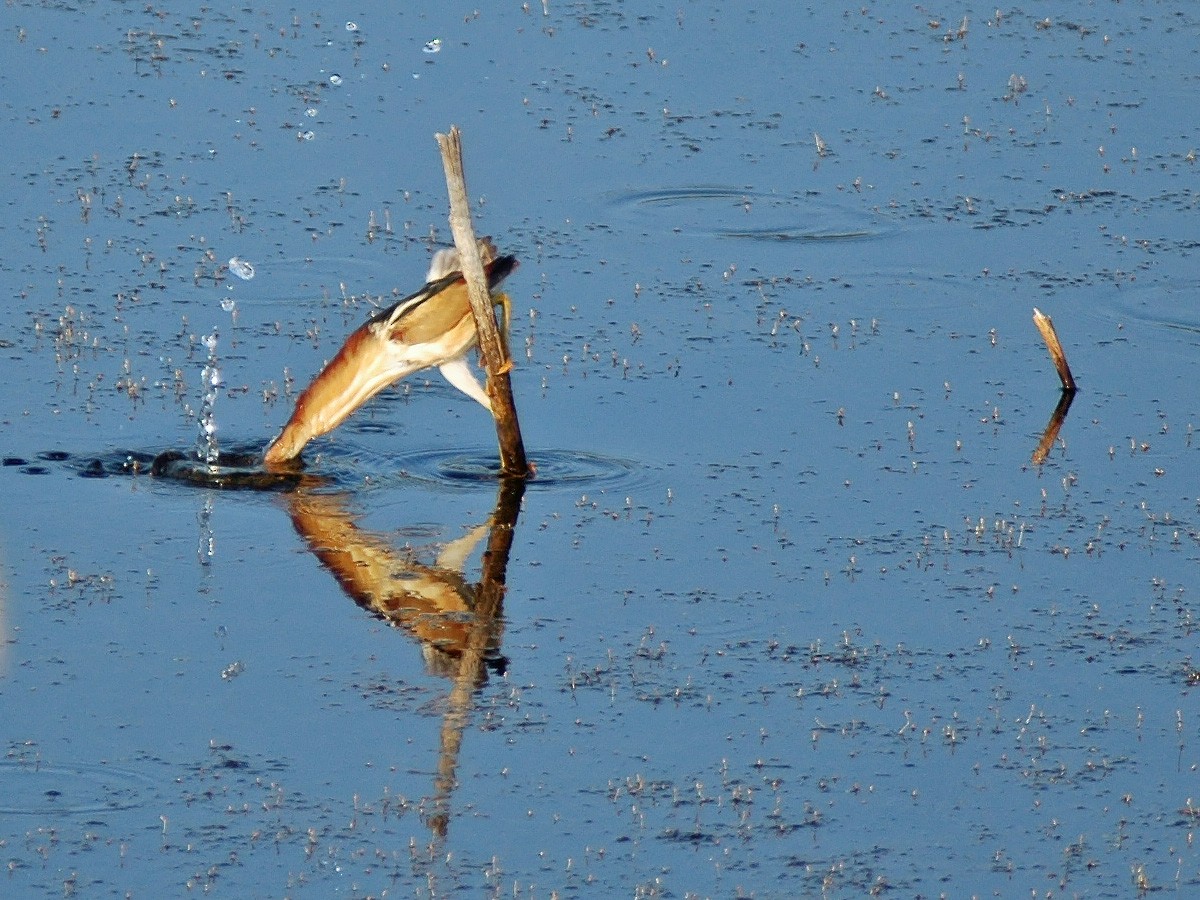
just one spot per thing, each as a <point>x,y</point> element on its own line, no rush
<point>790,612</point>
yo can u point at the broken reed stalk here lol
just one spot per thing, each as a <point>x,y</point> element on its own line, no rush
<point>1050,336</point>
<point>495,357</point>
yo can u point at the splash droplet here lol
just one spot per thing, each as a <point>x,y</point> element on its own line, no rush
<point>241,268</point>
<point>206,445</point>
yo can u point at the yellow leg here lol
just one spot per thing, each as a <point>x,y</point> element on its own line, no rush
<point>505,304</point>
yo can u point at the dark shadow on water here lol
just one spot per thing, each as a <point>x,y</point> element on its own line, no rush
<point>241,468</point>
<point>236,469</point>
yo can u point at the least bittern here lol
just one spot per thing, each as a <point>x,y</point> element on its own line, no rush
<point>433,327</point>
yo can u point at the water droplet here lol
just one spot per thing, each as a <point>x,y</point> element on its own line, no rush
<point>335,80</point>
<point>206,448</point>
<point>241,268</point>
<point>434,46</point>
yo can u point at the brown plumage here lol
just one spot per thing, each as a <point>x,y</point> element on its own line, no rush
<point>433,327</point>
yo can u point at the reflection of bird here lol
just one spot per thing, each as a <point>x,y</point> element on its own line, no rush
<point>433,327</point>
<point>434,602</point>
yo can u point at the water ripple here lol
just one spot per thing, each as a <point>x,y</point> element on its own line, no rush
<point>470,467</point>
<point>40,789</point>
<point>348,466</point>
<point>744,213</point>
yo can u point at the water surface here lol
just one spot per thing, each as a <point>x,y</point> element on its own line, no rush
<point>791,610</point>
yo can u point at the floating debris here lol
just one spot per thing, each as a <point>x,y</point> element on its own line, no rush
<point>1017,85</point>
<point>233,670</point>
<point>241,268</point>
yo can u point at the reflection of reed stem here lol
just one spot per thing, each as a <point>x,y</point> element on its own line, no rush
<point>486,616</point>
<point>1050,435</point>
<point>1050,336</point>
<point>491,347</point>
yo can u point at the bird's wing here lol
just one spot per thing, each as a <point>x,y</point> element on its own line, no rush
<point>458,372</point>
